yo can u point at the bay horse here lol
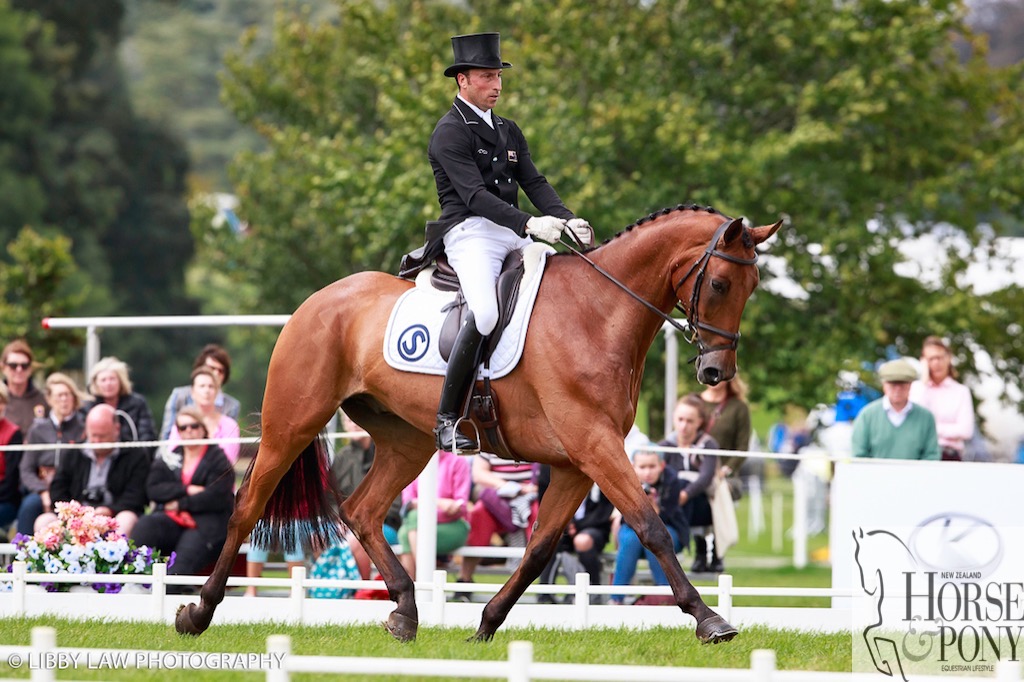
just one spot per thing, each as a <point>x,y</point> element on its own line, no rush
<point>568,403</point>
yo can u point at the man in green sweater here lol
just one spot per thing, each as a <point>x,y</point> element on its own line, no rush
<point>892,427</point>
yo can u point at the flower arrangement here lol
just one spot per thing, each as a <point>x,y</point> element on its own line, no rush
<point>82,541</point>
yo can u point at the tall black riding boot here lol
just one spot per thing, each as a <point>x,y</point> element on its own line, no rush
<point>458,383</point>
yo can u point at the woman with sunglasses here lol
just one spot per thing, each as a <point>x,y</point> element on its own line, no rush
<point>25,402</point>
<point>205,387</point>
<point>192,488</point>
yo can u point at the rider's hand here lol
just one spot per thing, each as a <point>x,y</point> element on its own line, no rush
<point>547,228</point>
<point>582,230</point>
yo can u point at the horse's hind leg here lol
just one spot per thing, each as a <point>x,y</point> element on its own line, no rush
<point>400,454</point>
<point>561,500</point>
<point>269,467</point>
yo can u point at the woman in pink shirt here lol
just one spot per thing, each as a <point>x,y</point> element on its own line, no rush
<point>453,484</point>
<point>205,387</point>
<point>945,397</point>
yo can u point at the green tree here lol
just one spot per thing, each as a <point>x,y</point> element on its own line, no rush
<point>860,122</point>
<point>39,281</point>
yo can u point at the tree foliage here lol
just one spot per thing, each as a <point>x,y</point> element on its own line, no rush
<point>860,122</point>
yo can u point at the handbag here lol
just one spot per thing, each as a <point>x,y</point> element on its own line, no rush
<point>723,517</point>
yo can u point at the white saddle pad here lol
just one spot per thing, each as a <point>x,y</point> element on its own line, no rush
<point>411,339</point>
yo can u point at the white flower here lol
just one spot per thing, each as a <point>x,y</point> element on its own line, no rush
<point>74,567</point>
<point>33,549</point>
<point>112,552</point>
<point>20,555</point>
<point>71,553</point>
<point>139,564</point>
<point>53,565</point>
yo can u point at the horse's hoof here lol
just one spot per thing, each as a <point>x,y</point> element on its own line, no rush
<point>481,636</point>
<point>715,629</point>
<point>184,622</point>
<point>402,628</point>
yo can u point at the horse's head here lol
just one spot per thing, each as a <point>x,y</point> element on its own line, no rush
<point>713,292</point>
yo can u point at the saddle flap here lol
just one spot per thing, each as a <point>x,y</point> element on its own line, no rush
<point>443,278</point>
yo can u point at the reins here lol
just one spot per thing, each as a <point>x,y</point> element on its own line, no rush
<point>693,322</point>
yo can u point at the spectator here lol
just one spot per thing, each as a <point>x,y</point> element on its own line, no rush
<point>110,479</point>
<point>219,362</point>
<point>204,389</point>
<point>662,486</point>
<point>64,424</point>
<point>506,505</point>
<point>696,472</point>
<point>453,486</point>
<point>947,399</point>
<point>192,488</point>
<point>25,402</point>
<point>10,460</point>
<point>585,537</point>
<point>892,427</point>
<point>110,385</point>
<point>729,419</point>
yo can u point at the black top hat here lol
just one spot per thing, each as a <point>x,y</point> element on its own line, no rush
<point>476,51</point>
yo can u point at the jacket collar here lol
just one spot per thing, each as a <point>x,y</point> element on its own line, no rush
<point>463,112</point>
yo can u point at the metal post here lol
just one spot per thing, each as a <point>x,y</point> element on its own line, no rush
<point>426,525</point>
<point>92,348</point>
<point>671,375</point>
<point>800,519</point>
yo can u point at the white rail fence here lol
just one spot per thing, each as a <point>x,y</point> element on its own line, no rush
<point>25,596</point>
<point>44,658</point>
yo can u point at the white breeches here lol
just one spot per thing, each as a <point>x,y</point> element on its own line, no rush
<point>476,248</point>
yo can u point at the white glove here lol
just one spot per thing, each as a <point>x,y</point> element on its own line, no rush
<point>582,229</point>
<point>547,227</point>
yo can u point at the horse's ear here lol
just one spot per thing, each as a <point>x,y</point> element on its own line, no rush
<point>735,229</point>
<point>762,233</point>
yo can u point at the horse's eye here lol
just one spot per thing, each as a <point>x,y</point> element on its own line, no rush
<point>718,286</point>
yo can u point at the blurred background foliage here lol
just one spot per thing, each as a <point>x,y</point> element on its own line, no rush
<point>862,123</point>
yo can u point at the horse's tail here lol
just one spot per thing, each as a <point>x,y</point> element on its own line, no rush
<point>304,509</point>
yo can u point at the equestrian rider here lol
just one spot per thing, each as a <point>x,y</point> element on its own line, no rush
<point>479,162</point>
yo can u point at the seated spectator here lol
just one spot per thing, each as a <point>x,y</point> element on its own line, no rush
<point>64,424</point>
<point>948,400</point>
<point>192,488</point>
<point>10,487</point>
<point>662,485</point>
<point>585,537</point>
<point>205,387</point>
<point>25,402</point>
<point>506,505</point>
<point>218,361</point>
<point>453,487</point>
<point>695,472</point>
<point>110,385</point>
<point>111,480</point>
<point>892,427</point>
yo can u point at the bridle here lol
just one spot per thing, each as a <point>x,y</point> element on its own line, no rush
<point>691,332</point>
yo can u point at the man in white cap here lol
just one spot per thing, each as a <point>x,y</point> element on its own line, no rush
<point>892,427</point>
<point>480,161</point>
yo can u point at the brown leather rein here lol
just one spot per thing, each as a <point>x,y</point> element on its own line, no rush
<point>691,332</point>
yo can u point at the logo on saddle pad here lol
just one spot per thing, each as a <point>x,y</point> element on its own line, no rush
<point>414,342</point>
<point>411,340</point>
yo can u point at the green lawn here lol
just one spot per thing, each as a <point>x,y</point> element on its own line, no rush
<point>656,646</point>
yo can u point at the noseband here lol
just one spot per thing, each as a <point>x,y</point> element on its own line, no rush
<point>693,322</point>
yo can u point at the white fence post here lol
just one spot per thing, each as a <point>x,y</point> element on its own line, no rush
<point>43,639</point>
<point>156,598</point>
<point>520,657</point>
<point>20,568</point>
<point>725,596</point>
<point>281,645</point>
<point>437,597</point>
<point>298,594</point>
<point>426,514</point>
<point>777,522</point>
<point>762,664</point>
<point>755,508</point>
<point>581,607</point>
<point>799,518</point>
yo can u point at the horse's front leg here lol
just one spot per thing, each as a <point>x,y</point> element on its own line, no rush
<point>620,484</point>
<point>562,498</point>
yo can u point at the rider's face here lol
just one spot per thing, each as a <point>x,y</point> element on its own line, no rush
<point>481,87</point>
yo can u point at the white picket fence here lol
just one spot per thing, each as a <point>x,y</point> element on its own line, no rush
<point>44,659</point>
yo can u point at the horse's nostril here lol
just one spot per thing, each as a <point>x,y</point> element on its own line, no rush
<point>712,377</point>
